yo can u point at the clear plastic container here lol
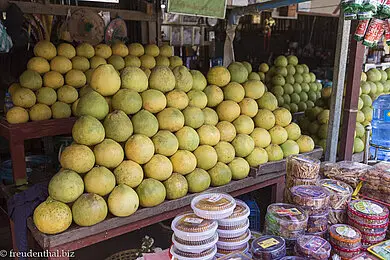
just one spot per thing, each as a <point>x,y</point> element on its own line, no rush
<point>322,234</point>
<point>310,196</point>
<point>190,227</point>
<point>286,216</point>
<point>367,212</point>
<point>292,181</point>
<point>207,254</point>
<point>313,247</point>
<point>345,236</point>
<point>268,248</point>
<point>213,205</point>
<point>381,250</point>
<point>303,167</point>
<point>233,231</point>
<point>337,216</point>
<point>373,238</point>
<point>234,256</point>
<point>317,223</point>
<point>381,126</point>
<point>286,234</point>
<point>369,228</point>
<point>234,243</point>
<point>194,246</point>
<point>345,253</point>
<point>222,252</point>
<point>340,193</point>
<point>240,215</point>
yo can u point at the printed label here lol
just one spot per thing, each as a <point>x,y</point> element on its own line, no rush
<point>309,192</point>
<point>386,115</point>
<point>193,220</point>
<point>315,244</point>
<point>268,243</point>
<point>215,198</point>
<point>288,212</point>
<point>346,232</point>
<point>368,208</point>
<point>335,187</point>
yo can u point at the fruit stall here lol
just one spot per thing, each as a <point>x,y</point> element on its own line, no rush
<point>153,140</point>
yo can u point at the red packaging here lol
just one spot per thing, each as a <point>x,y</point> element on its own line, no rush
<point>361,30</point>
<point>374,32</point>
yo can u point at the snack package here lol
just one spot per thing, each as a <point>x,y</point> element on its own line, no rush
<point>366,212</point>
<point>213,205</point>
<point>337,216</point>
<point>345,237</point>
<point>381,250</point>
<point>374,32</point>
<point>340,193</point>
<point>310,196</point>
<point>313,247</point>
<point>361,30</point>
<point>302,167</point>
<point>345,171</point>
<point>351,8</point>
<point>268,248</point>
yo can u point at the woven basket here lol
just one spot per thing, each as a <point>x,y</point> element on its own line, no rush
<point>130,254</point>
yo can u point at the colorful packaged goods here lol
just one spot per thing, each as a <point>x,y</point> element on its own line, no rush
<point>303,167</point>
<point>340,193</point>
<point>312,247</point>
<point>311,198</point>
<point>374,32</point>
<point>268,248</point>
<point>361,30</point>
<point>317,223</point>
<point>337,216</point>
<point>345,241</point>
<point>213,205</point>
<point>381,250</point>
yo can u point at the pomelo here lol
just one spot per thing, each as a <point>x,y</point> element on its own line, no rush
<point>275,153</point>
<point>88,130</point>
<point>264,119</point>
<point>118,126</point>
<point>183,78</point>
<point>177,99</point>
<point>268,101</point>
<point>139,148</point>
<point>256,157</point>
<point>123,201</point>
<point>147,61</point>
<point>171,119</point>
<point>129,101</point>
<point>105,80</point>
<point>108,153</point>
<point>85,50</point>
<point>17,115</point>
<point>66,186</point>
<point>165,143</point>
<point>193,117</point>
<point>198,180</point>
<point>103,50</point>
<point>61,110</point>
<point>89,209</point>
<point>198,79</point>
<point>30,79</point>
<point>134,78</point>
<point>219,76</point>
<point>210,116</point>
<point>52,217</point>
<point>153,100</point>
<point>240,168</point>
<point>99,180</point>
<point>220,174</point>
<point>159,167</point>
<point>45,49</point>
<point>183,162</point>
<point>261,137</point>
<point>187,138</point>
<point>77,157</point>
<point>290,147</point>
<point>306,144</point>
<point>93,104</point>
<point>129,173</point>
<point>136,49</point>
<point>80,63</point>
<point>176,186</point>
<point>38,64</point>
<point>162,78</point>
<point>254,89</point>
<point>119,48</point>
<point>67,94</point>
<point>234,91</point>
<point>117,62</point>
<point>249,107</point>
<point>243,144</point>
<point>244,125</point>
<point>151,193</point>
<point>24,97</point>
<point>238,72</point>
<point>175,61</point>
<point>132,61</point>
<point>206,157</point>
<point>60,64</point>
<point>214,95</point>
<point>225,152</point>
<point>228,111</point>
<point>227,131</point>
<point>293,131</point>
<point>197,98</point>
<point>39,112</point>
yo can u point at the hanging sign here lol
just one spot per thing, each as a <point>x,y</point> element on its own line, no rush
<point>207,8</point>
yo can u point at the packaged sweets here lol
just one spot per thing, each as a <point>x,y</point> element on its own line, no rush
<point>287,195</point>
<point>190,227</point>
<point>367,212</point>
<point>361,30</point>
<point>351,8</point>
<point>345,171</point>
<point>302,167</point>
<point>292,181</point>
<point>372,239</point>
<point>240,215</point>
<point>345,253</point>
<point>364,256</point>
<point>233,231</point>
<point>207,254</point>
<point>381,250</point>
<point>213,205</point>
<point>340,193</point>
<point>374,32</point>
<point>345,236</point>
<point>310,196</point>
<point>369,9</point>
<point>268,248</point>
<point>313,247</point>
<point>369,228</point>
<point>222,252</point>
<point>317,223</point>
<point>194,246</point>
<point>337,216</point>
<point>234,243</point>
<point>235,256</point>
<point>322,234</point>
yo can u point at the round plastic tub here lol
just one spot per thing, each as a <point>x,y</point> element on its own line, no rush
<point>313,247</point>
<point>221,252</point>
<point>213,205</point>
<point>194,246</point>
<point>345,253</point>
<point>234,243</point>
<point>367,212</point>
<point>345,236</point>
<point>233,231</point>
<point>314,197</point>
<point>240,215</point>
<point>293,258</point>
<point>340,193</point>
<point>292,181</point>
<point>207,254</point>
<point>286,234</point>
<point>337,216</point>
<point>322,234</point>
<point>317,223</point>
<point>268,248</point>
<point>303,167</point>
<point>286,216</point>
<point>373,238</point>
<point>369,228</point>
<point>190,227</point>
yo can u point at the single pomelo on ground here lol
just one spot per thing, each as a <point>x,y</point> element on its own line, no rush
<point>151,193</point>
<point>275,153</point>
<point>243,144</point>
<point>254,89</point>
<point>244,125</point>
<point>177,99</point>
<point>240,168</point>
<point>238,72</point>
<point>220,174</point>
<point>183,78</point>
<point>99,180</point>
<point>38,64</point>
<point>117,62</point>
<point>61,110</point>
<point>165,143</point>
<point>153,100</point>
<point>293,131</point>
<point>175,61</point>
<point>129,101</point>
<point>162,61</point>
<point>66,186</point>
<point>170,119</point>
<point>306,144</point>
<point>278,135</point>
<point>197,98</point>
<point>89,209</point>
<point>176,186</point>
<point>88,130</point>
<point>187,138</point>
<point>256,157</point>
<point>227,131</point>
<point>108,153</point>
<point>225,152</point>
<point>78,158</point>
<point>30,79</point>
<point>214,95</point>
<point>118,126</point>
<point>282,117</point>
<point>261,137</point>
<point>234,91</point>
<point>290,147</point>
<point>139,148</point>
<point>80,63</point>
<point>219,76</point>
<point>129,173</point>
<point>198,79</point>
<point>145,123</point>
<point>105,80</point>
<point>134,78</point>
<point>17,115</point>
<point>159,167</point>
<point>52,217</point>
<point>198,180</point>
<point>268,101</point>
<point>162,78</point>
<point>123,201</point>
<point>136,49</point>
<point>45,49</point>
<point>210,116</point>
<point>264,119</point>
<point>39,112</point>
<point>147,61</point>
<point>228,111</point>
<point>249,107</point>
<point>93,104</point>
<point>183,162</point>
<point>85,50</point>
<point>132,61</point>
<point>67,94</point>
<point>208,135</point>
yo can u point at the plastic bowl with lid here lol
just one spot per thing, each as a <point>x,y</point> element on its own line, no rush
<point>208,254</point>
<point>240,215</point>
<point>233,231</point>
<point>288,216</point>
<point>313,247</point>
<point>189,227</point>
<point>268,248</point>
<point>367,212</point>
<point>340,192</point>
<point>311,196</point>
<point>194,246</point>
<point>345,236</point>
<point>213,205</point>
<point>234,243</point>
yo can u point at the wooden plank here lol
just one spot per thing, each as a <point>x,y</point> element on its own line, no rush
<point>145,215</point>
<point>53,9</point>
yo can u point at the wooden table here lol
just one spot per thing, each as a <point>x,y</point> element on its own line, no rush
<point>18,133</point>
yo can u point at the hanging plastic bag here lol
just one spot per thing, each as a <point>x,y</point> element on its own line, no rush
<point>369,9</point>
<point>351,8</point>
<point>374,32</point>
<point>385,9</point>
<point>361,30</point>
<point>5,40</point>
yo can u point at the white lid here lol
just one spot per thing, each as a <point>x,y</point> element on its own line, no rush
<point>224,205</point>
<point>173,252</point>
<point>234,244</point>
<point>240,213</point>
<point>234,232</point>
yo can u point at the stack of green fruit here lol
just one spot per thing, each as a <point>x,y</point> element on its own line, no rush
<point>293,84</point>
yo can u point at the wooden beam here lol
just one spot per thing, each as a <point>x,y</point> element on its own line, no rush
<point>52,9</point>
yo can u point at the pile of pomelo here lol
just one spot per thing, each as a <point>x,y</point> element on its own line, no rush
<point>143,138</point>
<point>294,86</point>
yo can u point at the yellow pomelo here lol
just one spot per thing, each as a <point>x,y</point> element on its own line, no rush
<point>67,50</point>
<point>158,167</point>
<point>78,158</point>
<point>45,49</point>
<point>61,64</point>
<point>38,64</point>
<point>17,115</point>
<point>40,112</point>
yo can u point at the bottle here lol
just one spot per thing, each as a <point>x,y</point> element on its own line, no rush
<point>7,102</point>
<point>381,127</point>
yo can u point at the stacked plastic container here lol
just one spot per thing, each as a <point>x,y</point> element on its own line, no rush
<point>314,200</point>
<point>287,221</point>
<point>346,241</point>
<point>370,218</point>
<point>312,247</point>
<point>340,196</point>
<point>233,231</point>
<point>268,248</point>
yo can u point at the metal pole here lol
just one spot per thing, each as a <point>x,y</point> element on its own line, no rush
<point>343,35</point>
